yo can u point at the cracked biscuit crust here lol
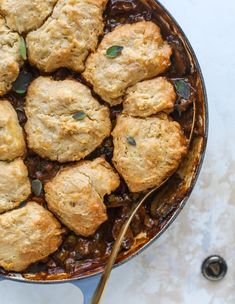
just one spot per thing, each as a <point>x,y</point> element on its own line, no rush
<point>144,56</point>
<point>26,15</point>
<point>10,59</point>
<point>149,97</point>
<point>52,128</point>
<point>12,144</point>
<point>68,36</point>
<point>76,194</point>
<point>153,154</point>
<point>28,235</point>
<point>14,184</point>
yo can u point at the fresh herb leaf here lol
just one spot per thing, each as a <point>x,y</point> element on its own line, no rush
<point>79,115</point>
<point>183,88</point>
<point>37,187</point>
<point>114,51</point>
<point>23,50</point>
<point>131,141</point>
<point>22,82</point>
<point>20,91</point>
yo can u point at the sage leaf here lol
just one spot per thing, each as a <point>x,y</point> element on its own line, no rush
<point>23,50</point>
<point>22,82</point>
<point>131,141</point>
<point>183,88</point>
<point>114,51</point>
<point>37,187</point>
<point>79,115</point>
<point>20,91</point>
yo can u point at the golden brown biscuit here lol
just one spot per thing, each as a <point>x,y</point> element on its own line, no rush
<point>149,97</point>
<point>14,184</point>
<point>53,128</point>
<point>26,15</point>
<point>76,194</point>
<point>144,56</point>
<point>10,59</point>
<point>28,235</point>
<point>12,144</point>
<point>147,151</point>
<point>68,36</point>
<point>101,175</point>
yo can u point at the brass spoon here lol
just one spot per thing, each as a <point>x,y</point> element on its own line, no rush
<point>117,245</point>
<point>106,274</point>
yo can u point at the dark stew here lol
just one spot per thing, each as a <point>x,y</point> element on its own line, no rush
<point>79,255</point>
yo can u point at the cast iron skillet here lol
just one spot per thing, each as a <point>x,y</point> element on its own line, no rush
<point>175,193</point>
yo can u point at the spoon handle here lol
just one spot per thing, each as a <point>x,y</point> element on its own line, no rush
<point>106,274</point>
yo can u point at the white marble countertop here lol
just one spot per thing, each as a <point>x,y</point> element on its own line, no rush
<point>169,271</point>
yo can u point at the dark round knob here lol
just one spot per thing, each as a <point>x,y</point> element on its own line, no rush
<point>214,268</point>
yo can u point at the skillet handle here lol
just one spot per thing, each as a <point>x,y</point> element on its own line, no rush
<point>88,287</point>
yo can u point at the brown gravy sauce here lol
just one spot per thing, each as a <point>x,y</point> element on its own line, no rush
<point>79,255</point>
